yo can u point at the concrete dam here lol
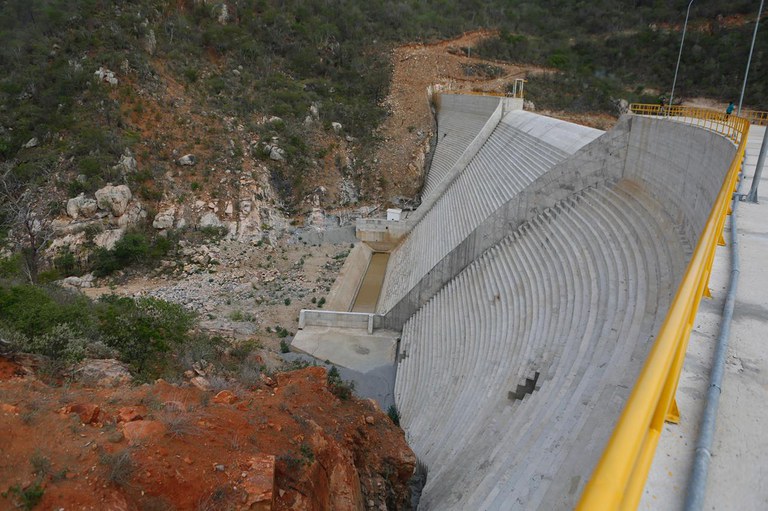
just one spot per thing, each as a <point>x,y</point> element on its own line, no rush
<point>529,287</point>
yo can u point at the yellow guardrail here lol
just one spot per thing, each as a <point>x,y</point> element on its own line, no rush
<point>619,477</point>
<point>755,117</point>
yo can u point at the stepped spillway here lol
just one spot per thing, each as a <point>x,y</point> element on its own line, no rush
<point>575,295</point>
<point>522,148</point>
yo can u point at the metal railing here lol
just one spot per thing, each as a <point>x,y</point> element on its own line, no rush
<point>755,117</point>
<point>619,477</point>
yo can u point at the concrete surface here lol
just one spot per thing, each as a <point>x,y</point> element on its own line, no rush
<point>738,468</point>
<point>377,384</point>
<point>366,359</point>
<point>348,347</point>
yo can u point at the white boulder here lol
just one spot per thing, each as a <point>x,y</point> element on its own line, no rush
<point>81,206</point>
<point>164,219</point>
<point>113,199</point>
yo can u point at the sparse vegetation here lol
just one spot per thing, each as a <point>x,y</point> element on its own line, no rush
<point>26,498</point>
<point>118,467</point>
<point>394,414</point>
<point>342,389</point>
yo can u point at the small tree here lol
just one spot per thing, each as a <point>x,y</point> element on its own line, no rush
<point>26,212</point>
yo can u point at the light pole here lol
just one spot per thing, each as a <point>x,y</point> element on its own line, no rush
<point>752,195</point>
<point>680,53</point>
<point>749,60</point>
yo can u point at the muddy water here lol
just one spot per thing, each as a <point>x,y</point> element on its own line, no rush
<point>368,294</point>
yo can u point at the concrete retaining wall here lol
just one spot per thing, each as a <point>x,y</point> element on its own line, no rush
<point>335,319</point>
<point>344,290</point>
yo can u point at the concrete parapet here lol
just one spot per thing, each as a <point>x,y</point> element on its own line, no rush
<point>337,319</point>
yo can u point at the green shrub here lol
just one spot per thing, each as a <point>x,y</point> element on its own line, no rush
<point>341,389</point>
<point>26,498</point>
<point>284,346</point>
<point>394,414</point>
<point>66,263</point>
<point>62,344</point>
<point>143,329</point>
<point>35,311</point>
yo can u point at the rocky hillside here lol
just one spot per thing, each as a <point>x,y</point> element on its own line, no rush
<point>288,442</point>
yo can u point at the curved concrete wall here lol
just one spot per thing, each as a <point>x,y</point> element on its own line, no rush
<point>523,147</point>
<point>570,279</point>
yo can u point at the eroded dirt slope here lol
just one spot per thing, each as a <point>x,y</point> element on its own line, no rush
<point>163,446</point>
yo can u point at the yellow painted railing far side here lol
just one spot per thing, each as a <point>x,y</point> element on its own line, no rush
<point>619,477</point>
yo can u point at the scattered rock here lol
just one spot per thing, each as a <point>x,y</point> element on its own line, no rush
<point>529,106</point>
<point>88,412</point>
<point>336,127</point>
<point>105,75</point>
<point>6,408</point>
<point>86,281</point>
<point>32,142</point>
<point>134,215</point>
<point>187,160</point>
<point>202,368</point>
<point>218,467</point>
<point>164,219</point>
<point>266,380</point>
<point>127,164</point>
<point>201,383</point>
<point>348,193</point>
<point>225,397</point>
<point>622,106</point>
<point>113,199</point>
<point>369,419</point>
<point>106,372</point>
<point>276,154</point>
<point>129,414</point>
<point>142,430</point>
<point>314,111</point>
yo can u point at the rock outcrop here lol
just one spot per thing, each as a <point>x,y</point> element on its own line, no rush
<point>81,206</point>
<point>113,199</point>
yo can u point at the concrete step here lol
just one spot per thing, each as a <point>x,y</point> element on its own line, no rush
<point>577,295</point>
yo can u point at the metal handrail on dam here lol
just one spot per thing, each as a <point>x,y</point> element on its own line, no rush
<point>618,479</point>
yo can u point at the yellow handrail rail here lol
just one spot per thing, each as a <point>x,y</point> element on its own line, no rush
<point>619,477</point>
<point>755,117</point>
